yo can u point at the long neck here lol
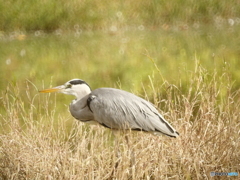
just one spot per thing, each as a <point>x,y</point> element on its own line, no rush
<point>83,91</point>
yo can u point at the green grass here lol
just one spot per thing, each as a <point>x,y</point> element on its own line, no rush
<point>93,14</point>
<point>102,58</point>
<point>183,56</point>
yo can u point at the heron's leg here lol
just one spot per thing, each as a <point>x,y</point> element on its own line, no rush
<point>123,147</point>
<point>128,136</point>
<point>116,137</point>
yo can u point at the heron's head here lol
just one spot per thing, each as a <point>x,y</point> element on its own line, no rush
<point>75,87</point>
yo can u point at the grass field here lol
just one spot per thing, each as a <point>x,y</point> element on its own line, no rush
<point>181,56</point>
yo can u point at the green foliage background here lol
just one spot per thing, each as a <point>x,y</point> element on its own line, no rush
<point>118,43</point>
<point>49,15</point>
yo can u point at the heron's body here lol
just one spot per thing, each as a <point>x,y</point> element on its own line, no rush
<point>114,109</point>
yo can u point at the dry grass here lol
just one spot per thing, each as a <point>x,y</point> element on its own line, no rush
<point>207,117</point>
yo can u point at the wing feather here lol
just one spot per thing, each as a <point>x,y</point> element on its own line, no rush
<point>118,109</point>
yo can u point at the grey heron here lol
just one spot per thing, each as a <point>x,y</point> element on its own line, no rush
<point>113,108</point>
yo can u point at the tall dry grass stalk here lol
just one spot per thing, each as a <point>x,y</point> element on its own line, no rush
<point>207,117</point>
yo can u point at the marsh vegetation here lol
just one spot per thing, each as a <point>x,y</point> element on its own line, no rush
<point>181,56</point>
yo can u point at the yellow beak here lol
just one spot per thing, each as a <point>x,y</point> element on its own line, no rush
<point>55,89</point>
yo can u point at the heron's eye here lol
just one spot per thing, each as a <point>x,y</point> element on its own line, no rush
<point>68,86</point>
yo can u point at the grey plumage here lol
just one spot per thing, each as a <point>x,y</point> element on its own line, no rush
<point>114,108</point>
